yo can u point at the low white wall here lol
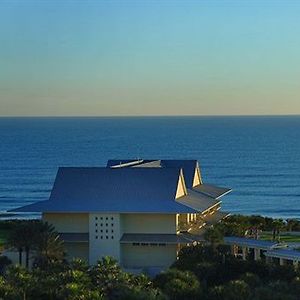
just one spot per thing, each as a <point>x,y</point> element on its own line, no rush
<point>148,256</point>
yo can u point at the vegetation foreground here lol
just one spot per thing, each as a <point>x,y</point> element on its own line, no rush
<point>201,272</point>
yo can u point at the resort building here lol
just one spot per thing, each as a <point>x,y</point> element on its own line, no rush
<point>141,212</point>
<point>273,252</point>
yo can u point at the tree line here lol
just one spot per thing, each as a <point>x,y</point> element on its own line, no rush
<point>203,271</point>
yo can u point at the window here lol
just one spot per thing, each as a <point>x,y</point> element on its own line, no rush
<point>135,244</point>
<point>96,236</point>
<point>107,237</point>
<point>112,237</point>
<point>112,218</point>
<point>161,244</point>
<point>112,231</point>
<point>144,244</point>
<point>96,218</point>
<point>106,218</point>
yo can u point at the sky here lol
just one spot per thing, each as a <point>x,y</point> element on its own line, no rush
<point>103,58</point>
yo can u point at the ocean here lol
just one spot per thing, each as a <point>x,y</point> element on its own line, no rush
<point>258,157</point>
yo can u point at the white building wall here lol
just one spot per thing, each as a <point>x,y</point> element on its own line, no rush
<point>104,236</point>
<point>77,250</point>
<point>68,222</point>
<point>149,223</point>
<point>148,256</point>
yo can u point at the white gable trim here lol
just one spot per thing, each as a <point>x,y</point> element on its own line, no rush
<point>197,176</point>
<point>181,188</point>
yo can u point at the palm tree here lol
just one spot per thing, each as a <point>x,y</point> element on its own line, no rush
<point>277,224</point>
<point>48,245</point>
<point>213,236</point>
<point>22,281</point>
<point>20,238</point>
<point>256,223</point>
<point>291,223</point>
<point>108,277</point>
<point>16,241</point>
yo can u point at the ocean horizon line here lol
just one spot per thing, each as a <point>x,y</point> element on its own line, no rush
<point>145,116</point>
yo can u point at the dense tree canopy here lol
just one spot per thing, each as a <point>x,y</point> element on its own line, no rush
<point>204,272</point>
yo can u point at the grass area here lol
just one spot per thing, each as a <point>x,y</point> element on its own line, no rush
<point>283,238</point>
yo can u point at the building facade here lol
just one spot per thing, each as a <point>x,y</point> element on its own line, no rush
<point>140,212</point>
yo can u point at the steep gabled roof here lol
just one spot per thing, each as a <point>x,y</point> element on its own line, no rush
<point>212,190</point>
<point>197,201</point>
<point>188,166</point>
<point>120,190</point>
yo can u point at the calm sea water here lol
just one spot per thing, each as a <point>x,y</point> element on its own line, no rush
<point>258,157</point>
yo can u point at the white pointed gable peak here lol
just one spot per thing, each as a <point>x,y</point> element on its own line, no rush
<point>197,176</point>
<point>181,187</point>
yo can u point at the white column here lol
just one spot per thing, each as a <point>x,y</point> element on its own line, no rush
<point>256,254</point>
<point>244,252</point>
<point>232,250</point>
<point>281,261</point>
<point>295,264</point>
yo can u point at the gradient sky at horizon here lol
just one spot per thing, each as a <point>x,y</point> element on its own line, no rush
<point>149,57</point>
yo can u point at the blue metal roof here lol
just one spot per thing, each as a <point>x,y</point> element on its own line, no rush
<point>210,190</point>
<point>247,242</point>
<point>290,254</point>
<point>188,166</point>
<point>113,190</point>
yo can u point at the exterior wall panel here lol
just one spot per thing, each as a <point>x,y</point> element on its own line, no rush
<point>148,223</point>
<point>104,237</point>
<point>77,250</point>
<point>68,222</point>
<point>148,256</point>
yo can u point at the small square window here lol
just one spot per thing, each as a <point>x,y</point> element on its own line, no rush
<point>96,236</point>
<point>112,218</point>
<point>112,224</point>
<point>96,230</point>
<point>106,218</point>
<point>101,230</point>
<point>101,218</point>
<point>101,237</point>
<point>106,231</point>
<point>101,224</point>
<point>106,224</point>
<point>112,231</point>
<point>112,237</point>
<point>107,237</point>
<point>96,218</point>
<point>96,224</point>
